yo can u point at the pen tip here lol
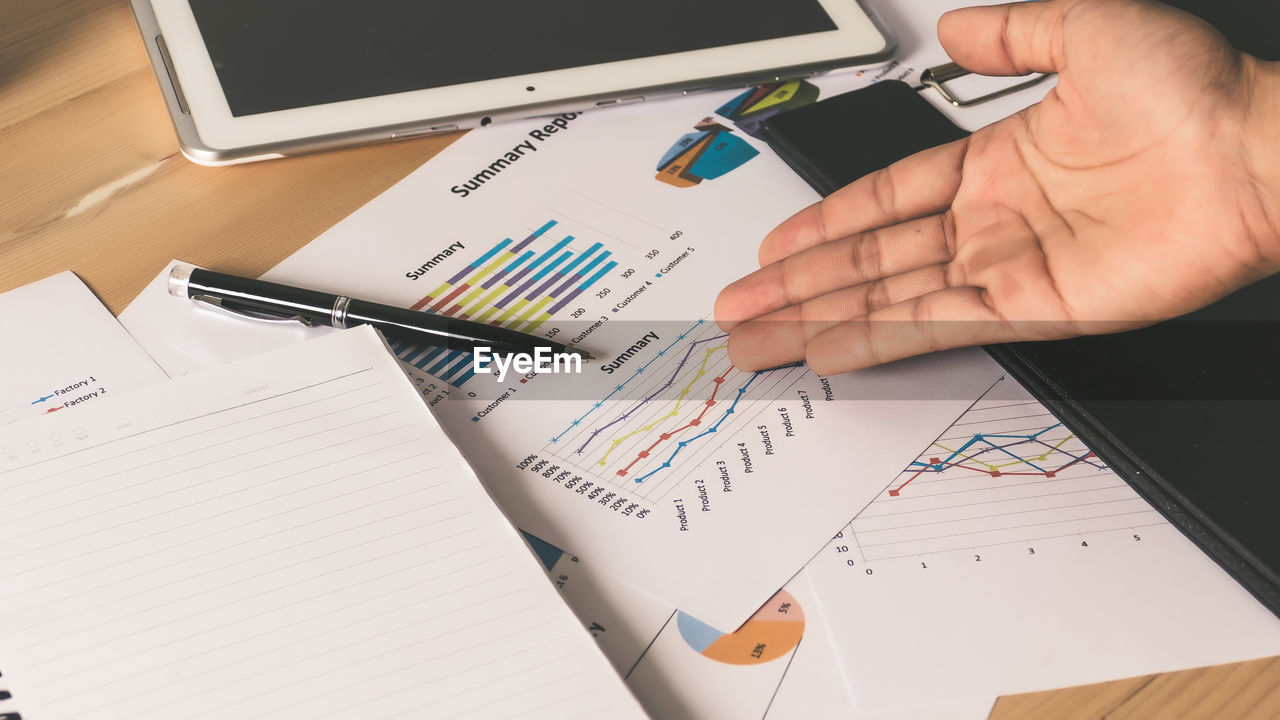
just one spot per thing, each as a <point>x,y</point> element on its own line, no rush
<point>584,354</point>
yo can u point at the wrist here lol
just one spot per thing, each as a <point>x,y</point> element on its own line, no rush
<point>1262,153</point>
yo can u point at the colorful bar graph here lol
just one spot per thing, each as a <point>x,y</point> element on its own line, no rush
<point>510,285</point>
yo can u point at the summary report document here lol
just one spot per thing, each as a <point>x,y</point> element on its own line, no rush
<point>291,535</point>
<point>701,483</point>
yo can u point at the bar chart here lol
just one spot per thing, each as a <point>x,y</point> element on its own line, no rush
<point>517,285</point>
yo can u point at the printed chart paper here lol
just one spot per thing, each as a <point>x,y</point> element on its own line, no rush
<point>1008,558</point>
<point>703,485</point>
<point>63,349</point>
<point>779,664</point>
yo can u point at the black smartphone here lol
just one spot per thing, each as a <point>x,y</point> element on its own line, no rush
<point>835,141</point>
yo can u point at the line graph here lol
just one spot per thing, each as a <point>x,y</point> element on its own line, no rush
<point>1004,449</point>
<point>680,400</point>
<point>1005,472</point>
<point>637,373</point>
<point>694,423</point>
<point>671,412</point>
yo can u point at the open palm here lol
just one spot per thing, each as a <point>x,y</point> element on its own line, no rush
<point>1127,196</point>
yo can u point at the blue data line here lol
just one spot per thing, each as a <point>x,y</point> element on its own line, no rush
<point>1002,449</point>
<point>741,391</point>
<point>617,389</point>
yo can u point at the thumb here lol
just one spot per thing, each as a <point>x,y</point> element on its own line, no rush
<point>1014,39</point>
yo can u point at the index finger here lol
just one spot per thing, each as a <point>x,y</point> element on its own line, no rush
<point>920,185</point>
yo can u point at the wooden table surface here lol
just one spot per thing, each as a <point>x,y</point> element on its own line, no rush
<point>91,180</point>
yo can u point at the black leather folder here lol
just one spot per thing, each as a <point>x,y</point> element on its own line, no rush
<point>1187,411</point>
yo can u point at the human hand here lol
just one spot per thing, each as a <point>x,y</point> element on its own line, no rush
<point>1145,185</point>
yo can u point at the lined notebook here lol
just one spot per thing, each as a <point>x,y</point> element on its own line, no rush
<point>290,536</point>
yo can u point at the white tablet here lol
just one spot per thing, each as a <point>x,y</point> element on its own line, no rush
<point>253,79</point>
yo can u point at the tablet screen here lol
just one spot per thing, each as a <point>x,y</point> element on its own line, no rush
<point>284,54</point>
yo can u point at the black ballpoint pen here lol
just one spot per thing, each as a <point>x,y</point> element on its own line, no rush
<point>264,300</point>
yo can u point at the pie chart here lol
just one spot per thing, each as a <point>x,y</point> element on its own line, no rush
<point>750,109</point>
<point>772,632</point>
<point>706,154</point>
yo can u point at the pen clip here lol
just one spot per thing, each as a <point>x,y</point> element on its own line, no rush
<point>216,305</point>
<point>938,77</point>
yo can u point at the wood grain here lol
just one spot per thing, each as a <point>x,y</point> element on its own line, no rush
<point>91,180</point>
<point>1243,691</point>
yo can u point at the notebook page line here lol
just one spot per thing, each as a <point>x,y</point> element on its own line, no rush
<point>238,560</point>
<point>91,480</point>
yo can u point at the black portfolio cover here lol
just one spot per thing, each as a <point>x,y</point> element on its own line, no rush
<point>1187,411</point>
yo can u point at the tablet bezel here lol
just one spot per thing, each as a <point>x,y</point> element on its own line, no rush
<point>210,134</point>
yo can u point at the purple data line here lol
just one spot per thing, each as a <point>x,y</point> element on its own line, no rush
<point>993,448</point>
<point>671,381</point>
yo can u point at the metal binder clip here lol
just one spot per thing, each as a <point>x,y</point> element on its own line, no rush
<point>216,305</point>
<point>938,77</point>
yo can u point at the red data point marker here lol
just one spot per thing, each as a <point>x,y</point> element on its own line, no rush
<point>710,403</point>
<point>622,473</point>
<point>894,493</point>
<point>643,454</point>
<point>718,380</point>
<point>934,461</point>
<point>695,422</point>
<point>524,380</point>
<point>995,473</point>
<point>665,436</point>
<point>1051,474</point>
